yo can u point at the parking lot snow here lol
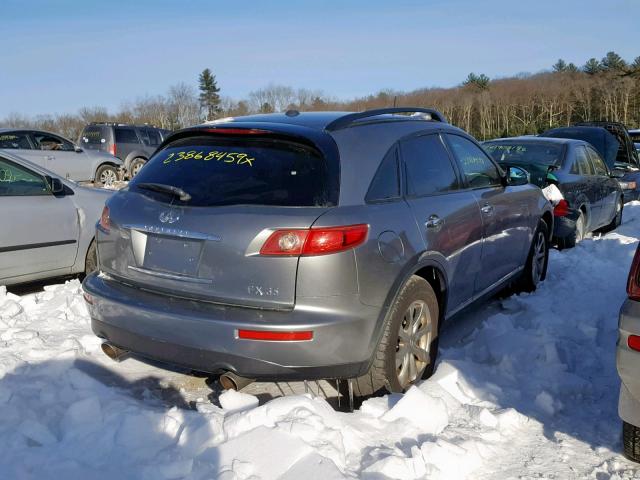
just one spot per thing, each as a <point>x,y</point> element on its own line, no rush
<point>525,388</point>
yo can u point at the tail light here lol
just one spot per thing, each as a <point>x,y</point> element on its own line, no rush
<point>561,209</point>
<point>88,298</point>
<point>112,149</point>
<point>633,283</point>
<point>314,241</point>
<point>237,131</point>
<point>633,341</point>
<point>105,221</point>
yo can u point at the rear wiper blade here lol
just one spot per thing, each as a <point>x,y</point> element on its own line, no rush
<point>163,188</point>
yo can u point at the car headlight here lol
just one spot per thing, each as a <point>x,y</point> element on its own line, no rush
<point>628,185</point>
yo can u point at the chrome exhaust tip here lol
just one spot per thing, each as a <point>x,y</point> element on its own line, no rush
<point>114,353</point>
<point>231,381</point>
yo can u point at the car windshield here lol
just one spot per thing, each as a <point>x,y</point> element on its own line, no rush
<point>219,171</point>
<point>525,153</point>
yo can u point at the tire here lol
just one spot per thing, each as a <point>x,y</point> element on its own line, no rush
<point>576,236</point>
<point>106,175</point>
<point>617,219</point>
<point>135,166</point>
<point>535,270</point>
<point>631,441</point>
<point>404,317</point>
<point>91,260</point>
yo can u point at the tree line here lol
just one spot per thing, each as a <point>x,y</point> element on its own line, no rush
<point>605,89</point>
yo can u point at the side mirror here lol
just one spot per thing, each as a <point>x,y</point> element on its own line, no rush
<point>517,176</point>
<point>55,185</point>
<point>616,174</point>
<point>78,149</point>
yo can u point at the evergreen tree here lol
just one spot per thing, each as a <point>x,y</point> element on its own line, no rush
<point>571,68</point>
<point>209,98</point>
<point>481,82</point>
<point>560,66</point>
<point>613,62</point>
<point>592,67</point>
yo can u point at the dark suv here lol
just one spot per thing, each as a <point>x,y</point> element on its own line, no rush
<point>312,245</point>
<point>133,144</point>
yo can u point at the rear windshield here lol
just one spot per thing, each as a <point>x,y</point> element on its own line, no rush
<point>95,135</point>
<point>217,171</point>
<point>523,152</point>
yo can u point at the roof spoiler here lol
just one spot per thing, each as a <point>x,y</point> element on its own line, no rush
<point>428,114</point>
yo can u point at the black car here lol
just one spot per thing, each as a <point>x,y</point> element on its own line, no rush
<point>615,146</point>
<point>592,197</point>
<point>133,144</point>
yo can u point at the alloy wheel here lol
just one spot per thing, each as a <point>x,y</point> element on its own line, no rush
<point>414,342</point>
<point>108,177</point>
<point>538,258</point>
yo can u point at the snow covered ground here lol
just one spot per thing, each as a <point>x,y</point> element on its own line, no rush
<point>525,388</point>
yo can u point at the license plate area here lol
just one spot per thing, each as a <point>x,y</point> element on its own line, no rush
<point>173,255</point>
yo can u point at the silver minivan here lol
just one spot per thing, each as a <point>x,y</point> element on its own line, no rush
<point>59,155</point>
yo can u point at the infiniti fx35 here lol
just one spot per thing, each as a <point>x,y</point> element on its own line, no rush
<point>312,245</point>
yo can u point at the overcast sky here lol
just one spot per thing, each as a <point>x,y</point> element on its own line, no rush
<point>58,56</point>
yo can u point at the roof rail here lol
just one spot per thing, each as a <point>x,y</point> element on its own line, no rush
<point>347,120</point>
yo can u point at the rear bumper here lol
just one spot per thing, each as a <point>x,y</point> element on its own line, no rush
<point>204,336</point>
<point>628,363</point>
<point>564,226</point>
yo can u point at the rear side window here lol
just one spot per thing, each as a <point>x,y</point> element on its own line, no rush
<point>386,183</point>
<point>153,137</point>
<point>126,135</point>
<point>582,165</point>
<point>428,166</point>
<point>15,140</point>
<point>95,135</point>
<point>598,164</point>
<point>219,171</point>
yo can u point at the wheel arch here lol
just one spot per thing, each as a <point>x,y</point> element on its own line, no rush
<point>547,217</point>
<point>427,266</point>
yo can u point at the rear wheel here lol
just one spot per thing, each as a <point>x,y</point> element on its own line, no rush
<point>135,166</point>
<point>535,269</point>
<point>617,219</point>
<point>409,345</point>
<point>91,260</point>
<point>631,441</point>
<point>577,235</point>
<point>106,175</point>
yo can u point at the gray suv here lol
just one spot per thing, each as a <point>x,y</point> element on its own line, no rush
<point>133,144</point>
<point>312,245</point>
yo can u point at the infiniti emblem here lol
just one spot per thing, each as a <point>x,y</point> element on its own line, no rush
<point>169,216</point>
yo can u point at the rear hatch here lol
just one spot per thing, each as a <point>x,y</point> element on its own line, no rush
<point>193,221</point>
<point>96,137</point>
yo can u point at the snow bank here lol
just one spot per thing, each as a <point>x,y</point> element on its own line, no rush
<point>526,386</point>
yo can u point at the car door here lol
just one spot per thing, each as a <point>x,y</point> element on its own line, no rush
<point>605,186</point>
<point>49,239</point>
<point>62,158</point>
<point>504,211</point>
<point>590,187</point>
<point>447,216</point>
<point>20,143</point>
